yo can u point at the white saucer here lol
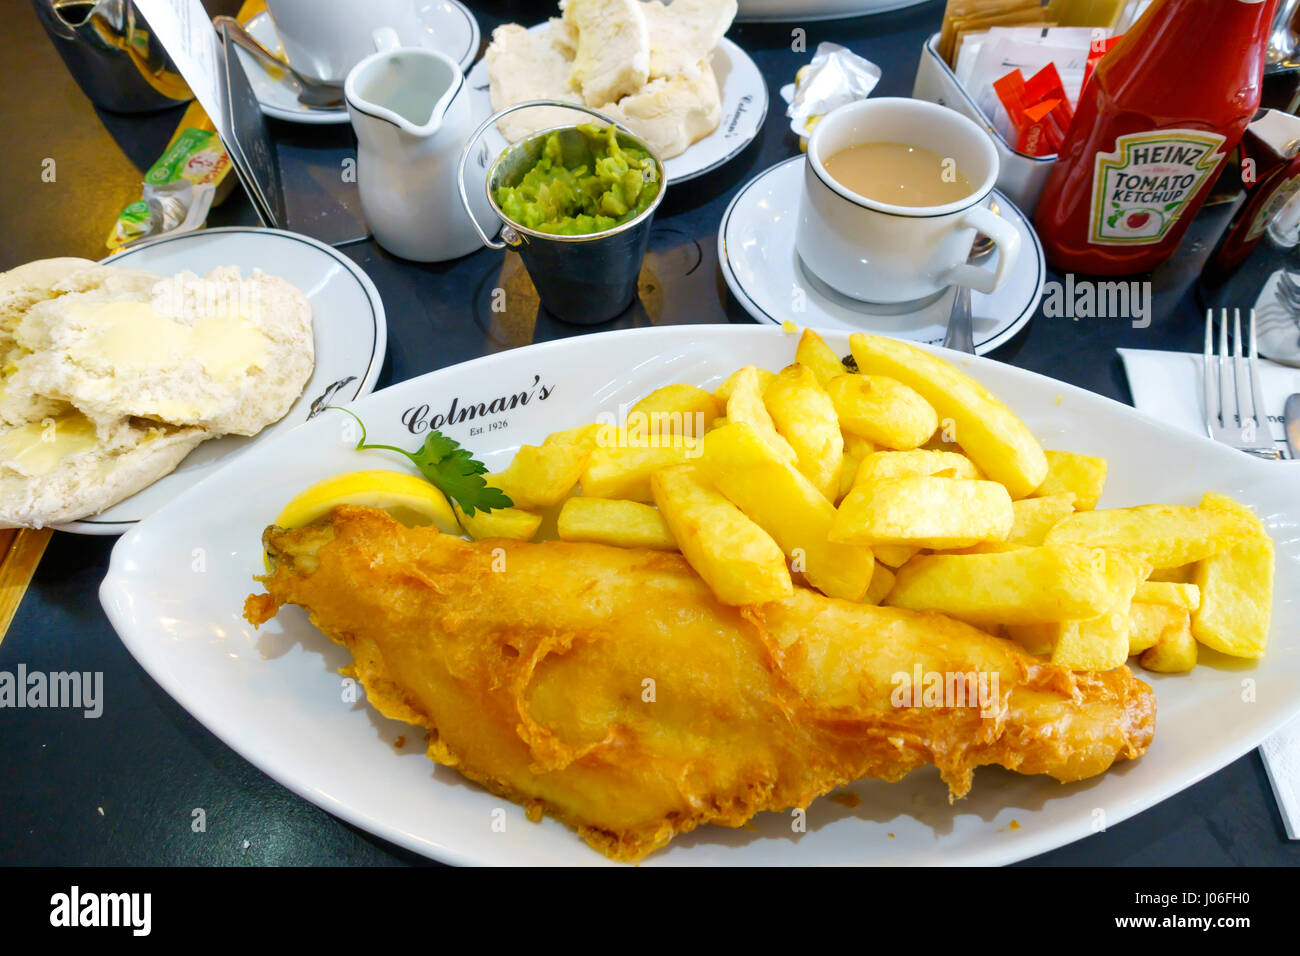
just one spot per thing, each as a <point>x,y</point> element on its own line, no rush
<point>744,106</point>
<point>448,27</point>
<point>756,252</point>
<point>349,330</point>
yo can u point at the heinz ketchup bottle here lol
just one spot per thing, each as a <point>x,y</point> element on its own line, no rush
<point>1162,110</point>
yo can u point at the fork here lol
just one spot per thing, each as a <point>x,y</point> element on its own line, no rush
<point>1288,292</point>
<point>1234,407</point>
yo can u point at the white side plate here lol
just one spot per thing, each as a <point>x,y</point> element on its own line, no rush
<point>275,695</point>
<point>351,335</point>
<point>744,106</point>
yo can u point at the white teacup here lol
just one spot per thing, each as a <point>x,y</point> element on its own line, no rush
<point>883,253</point>
<point>324,39</point>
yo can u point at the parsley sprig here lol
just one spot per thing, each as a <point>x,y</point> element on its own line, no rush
<point>449,468</point>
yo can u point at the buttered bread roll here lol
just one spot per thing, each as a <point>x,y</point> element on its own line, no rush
<point>109,377</point>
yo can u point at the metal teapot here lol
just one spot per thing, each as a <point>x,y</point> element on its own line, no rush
<point>113,54</point>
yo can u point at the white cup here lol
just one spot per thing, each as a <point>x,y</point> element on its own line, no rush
<point>882,253</point>
<point>324,39</point>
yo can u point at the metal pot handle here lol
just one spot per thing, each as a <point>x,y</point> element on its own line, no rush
<point>474,137</point>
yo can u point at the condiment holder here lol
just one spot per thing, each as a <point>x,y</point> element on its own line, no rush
<point>1021,177</point>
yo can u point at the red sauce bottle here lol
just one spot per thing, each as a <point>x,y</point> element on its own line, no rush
<point>1158,116</point>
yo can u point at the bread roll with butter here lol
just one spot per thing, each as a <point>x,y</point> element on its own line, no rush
<point>227,354</point>
<point>65,468</point>
<point>613,55</point>
<point>670,114</point>
<point>682,33</point>
<point>111,376</point>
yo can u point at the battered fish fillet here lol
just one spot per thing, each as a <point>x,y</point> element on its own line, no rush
<point>606,687</point>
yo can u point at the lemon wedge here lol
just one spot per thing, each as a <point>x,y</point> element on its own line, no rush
<point>409,499</point>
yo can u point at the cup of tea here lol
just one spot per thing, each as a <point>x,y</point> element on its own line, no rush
<point>894,194</point>
<point>324,41</point>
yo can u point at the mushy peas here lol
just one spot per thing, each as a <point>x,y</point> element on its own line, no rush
<point>602,186</point>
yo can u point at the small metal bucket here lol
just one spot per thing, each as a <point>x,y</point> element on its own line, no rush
<point>583,279</point>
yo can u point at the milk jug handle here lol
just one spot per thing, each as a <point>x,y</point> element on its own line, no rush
<point>474,137</point>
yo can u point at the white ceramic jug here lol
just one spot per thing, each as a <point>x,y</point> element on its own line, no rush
<point>410,110</point>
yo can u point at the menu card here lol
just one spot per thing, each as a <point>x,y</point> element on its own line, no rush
<point>292,185</point>
<point>185,30</point>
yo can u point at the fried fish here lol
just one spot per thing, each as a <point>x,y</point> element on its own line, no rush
<point>607,687</point>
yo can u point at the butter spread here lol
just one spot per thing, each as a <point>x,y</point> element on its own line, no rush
<point>37,447</point>
<point>132,335</point>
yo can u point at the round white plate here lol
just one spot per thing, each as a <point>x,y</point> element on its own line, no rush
<point>756,251</point>
<point>350,331</point>
<point>448,27</point>
<point>744,106</point>
<point>274,694</point>
<point>790,10</point>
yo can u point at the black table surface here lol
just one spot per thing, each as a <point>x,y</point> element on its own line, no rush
<point>122,789</point>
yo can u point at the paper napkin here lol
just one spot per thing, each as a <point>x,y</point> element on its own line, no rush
<point>1167,386</point>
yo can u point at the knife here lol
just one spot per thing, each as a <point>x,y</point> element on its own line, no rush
<point>1291,415</point>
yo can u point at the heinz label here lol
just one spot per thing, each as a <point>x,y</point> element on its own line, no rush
<point>1141,188</point>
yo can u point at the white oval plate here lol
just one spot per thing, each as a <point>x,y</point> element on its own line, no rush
<point>756,252</point>
<point>351,335</point>
<point>274,695</point>
<point>789,10</point>
<point>744,106</point>
<point>447,27</point>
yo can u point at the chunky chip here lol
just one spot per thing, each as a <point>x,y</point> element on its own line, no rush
<point>1069,474</point>
<point>1236,587</point>
<point>923,512</point>
<point>745,407</point>
<point>785,504</point>
<point>995,439</point>
<point>1027,586</point>
<point>1148,621</point>
<point>805,417</point>
<point>622,467</point>
<point>918,462</point>
<point>684,410</point>
<point>1185,596</point>
<point>541,476</point>
<point>1164,535</point>
<point>511,523</point>
<point>1175,651</point>
<point>737,559</point>
<point>882,410</point>
<point>813,353</point>
<point>625,524</point>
